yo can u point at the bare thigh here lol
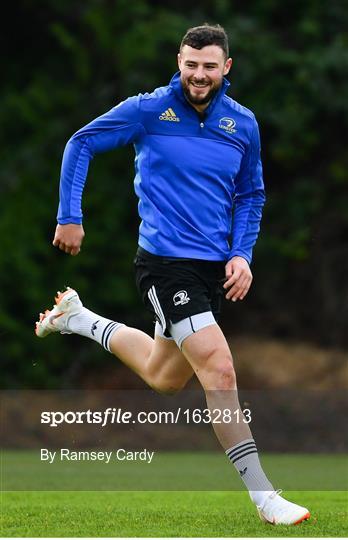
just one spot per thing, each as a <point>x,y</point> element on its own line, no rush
<point>159,362</point>
<point>210,357</point>
<point>167,366</point>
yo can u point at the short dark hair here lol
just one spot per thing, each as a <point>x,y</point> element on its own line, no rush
<point>206,34</point>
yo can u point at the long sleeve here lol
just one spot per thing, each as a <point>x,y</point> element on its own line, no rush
<point>249,199</point>
<point>118,127</point>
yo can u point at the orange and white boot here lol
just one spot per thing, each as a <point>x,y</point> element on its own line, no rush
<point>278,511</point>
<point>67,305</point>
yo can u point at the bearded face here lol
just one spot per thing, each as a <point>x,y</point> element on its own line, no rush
<point>202,72</point>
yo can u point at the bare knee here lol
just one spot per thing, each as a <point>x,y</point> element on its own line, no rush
<point>168,386</point>
<point>165,380</point>
<point>220,377</point>
<point>217,372</point>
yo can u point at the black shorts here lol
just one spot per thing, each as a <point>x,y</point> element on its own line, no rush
<point>174,289</point>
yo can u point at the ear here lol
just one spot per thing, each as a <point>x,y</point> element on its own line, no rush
<point>179,60</point>
<point>228,65</point>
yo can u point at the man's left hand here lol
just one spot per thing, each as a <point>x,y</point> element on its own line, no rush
<point>238,279</point>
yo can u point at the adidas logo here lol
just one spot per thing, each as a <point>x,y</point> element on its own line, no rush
<point>169,115</point>
<point>94,327</point>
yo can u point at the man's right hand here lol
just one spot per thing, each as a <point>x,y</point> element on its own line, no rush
<point>69,238</point>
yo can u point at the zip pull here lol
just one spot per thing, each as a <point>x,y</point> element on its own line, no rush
<point>201,125</point>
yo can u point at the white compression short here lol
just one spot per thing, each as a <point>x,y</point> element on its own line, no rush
<point>185,328</point>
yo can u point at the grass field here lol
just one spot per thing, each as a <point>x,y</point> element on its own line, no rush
<point>99,500</point>
<point>175,471</point>
<point>161,514</point>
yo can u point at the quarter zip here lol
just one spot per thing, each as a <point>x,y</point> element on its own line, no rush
<point>202,117</point>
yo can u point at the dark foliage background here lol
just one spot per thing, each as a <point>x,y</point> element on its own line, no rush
<point>66,62</point>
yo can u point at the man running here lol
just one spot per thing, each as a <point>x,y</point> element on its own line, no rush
<point>200,189</point>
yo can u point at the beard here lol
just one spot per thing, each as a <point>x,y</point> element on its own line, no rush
<point>196,99</point>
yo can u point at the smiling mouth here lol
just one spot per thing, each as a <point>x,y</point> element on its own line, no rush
<point>199,85</point>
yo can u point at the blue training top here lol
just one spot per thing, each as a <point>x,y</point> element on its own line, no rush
<point>198,177</point>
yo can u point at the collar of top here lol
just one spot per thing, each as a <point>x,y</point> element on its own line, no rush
<point>175,83</point>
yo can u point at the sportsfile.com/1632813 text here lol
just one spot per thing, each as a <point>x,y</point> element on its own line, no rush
<point>119,416</point>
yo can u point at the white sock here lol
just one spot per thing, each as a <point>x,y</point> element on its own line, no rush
<point>93,326</point>
<point>245,458</point>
